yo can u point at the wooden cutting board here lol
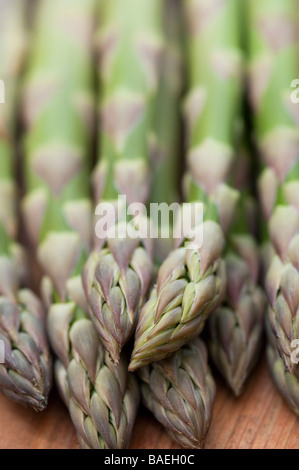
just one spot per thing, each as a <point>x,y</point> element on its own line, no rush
<point>258,420</point>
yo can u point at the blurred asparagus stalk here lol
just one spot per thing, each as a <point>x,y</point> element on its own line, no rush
<point>25,369</point>
<point>165,138</point>
<point>119,271</point>
<point>191,281</point>
<point>274,63</point>
<point>12,51</point>
<point>59,117</point>
<point>236,327</point>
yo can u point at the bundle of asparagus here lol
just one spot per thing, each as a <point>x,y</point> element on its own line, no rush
<point>118,273</point>
<point>191,281</point>
<point>25,369</point>
<point>95,286</point>
<point>102,399</point>
<point>273,53</point>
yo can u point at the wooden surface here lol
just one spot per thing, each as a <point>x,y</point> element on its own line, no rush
<point>259,419</point>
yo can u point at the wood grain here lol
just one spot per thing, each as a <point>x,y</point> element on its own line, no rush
<point>258,420</point>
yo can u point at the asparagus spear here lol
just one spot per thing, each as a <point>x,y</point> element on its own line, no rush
<point>118,273</point>
<point>191,281</point>
<point>180,392</point>
<point>12,40</point>
<point>273,55</point>
<point>165,140</point>
<point>25,369</point>
<point>287,384</point>
<point>236,328</point>
<point>102,400</point>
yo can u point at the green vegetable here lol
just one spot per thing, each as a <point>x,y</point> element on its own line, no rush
<point>57,210</point>
<point>118,273</point>
<point>273,65</point>
<point>191,281</point>
<point>25,363</point>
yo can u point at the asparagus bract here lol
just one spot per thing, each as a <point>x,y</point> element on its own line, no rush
<point>274,64</point>
<point>180,392</point>
<point>191,281</point>
<point>25,368</point>
<point>118,273</point>
<point>57,210</point>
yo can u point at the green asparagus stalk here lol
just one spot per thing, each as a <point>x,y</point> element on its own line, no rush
<point>165,141</point>
<point>274,64</point>
<point>287,384</point>
<point>12,41</point>
<point>180,392</point>
<point>236,327</point>
<point>191,281</point>
<point>25,368</point>
<point>119,271</point>
<point>58,107</point>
